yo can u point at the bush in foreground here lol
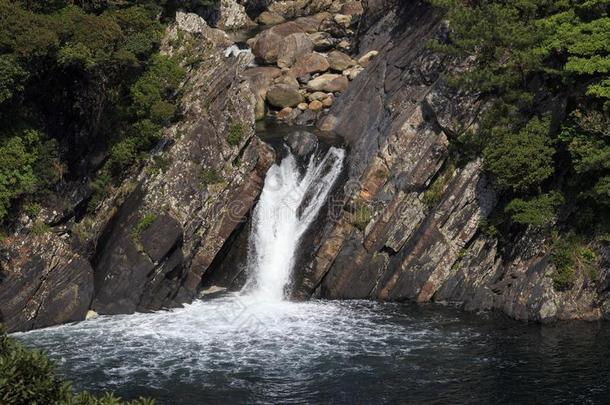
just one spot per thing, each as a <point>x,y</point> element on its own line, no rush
<point>29,377</point>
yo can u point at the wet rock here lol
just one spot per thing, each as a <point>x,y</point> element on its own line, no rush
<point>340,61</point>
<point>308,64</point>
<point>292,48</point>
<point>302,143</point>
<point>283,95</point>
<point>328,82</point>
<point>307,118</point>
<point>270,18</point>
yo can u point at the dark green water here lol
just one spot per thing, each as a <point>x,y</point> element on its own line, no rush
<point>236,350</point>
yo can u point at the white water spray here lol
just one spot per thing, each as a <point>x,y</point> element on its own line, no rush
<point>289,203</point>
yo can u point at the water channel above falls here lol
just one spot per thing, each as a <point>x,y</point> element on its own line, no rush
<point>257,347</point>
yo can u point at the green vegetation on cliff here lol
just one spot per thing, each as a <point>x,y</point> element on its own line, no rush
<point>546,136</point>
<point>29,377</point>
<point>83,93</point>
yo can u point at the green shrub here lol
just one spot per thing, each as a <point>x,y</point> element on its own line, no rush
<point>40,228</point>
<point>361,216</point>
<point>488,228</point>
<point>235,134</point>
<point>29,377</point>
<point>563,257</point>
<point>537,211</point>
<point>520,160</point>
<point>160,164</point>
<point>210,176</point>
<point>434,193</point>
<point>100,187</point>
<point>32,209</point>
<point>142,225</point>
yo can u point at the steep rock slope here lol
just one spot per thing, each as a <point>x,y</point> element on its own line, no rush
<point>410,226</point>
<point>149,243</point>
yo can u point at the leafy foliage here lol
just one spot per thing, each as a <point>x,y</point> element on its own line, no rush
<point>235,134</point>
<point>435,191</point>
<point>143,225</point>
<point>545,140</point>
<point>29,377</point>
<point>87,79</point>
<point>537,211</point>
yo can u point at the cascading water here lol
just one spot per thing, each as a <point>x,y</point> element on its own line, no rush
<point>231,349</point>
<point>289,203</point>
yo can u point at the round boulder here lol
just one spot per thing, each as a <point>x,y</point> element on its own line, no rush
<point>292,48</point>
<point>310,63</point>
<point>268,42</point>
<point>316,105</point>
<point>340,61</point>
<point>283,95</point>
<point>328,82</point>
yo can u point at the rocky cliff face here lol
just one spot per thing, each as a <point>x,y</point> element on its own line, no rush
<point>150,243</point>
<point>405,225</point>
<point>410,228</point>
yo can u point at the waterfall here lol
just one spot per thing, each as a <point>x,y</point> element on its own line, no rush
<point>289,203</point>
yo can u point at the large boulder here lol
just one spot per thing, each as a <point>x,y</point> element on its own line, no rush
<point>293,47</point>
<point>340,61</point>
<point>310,63</point>
<point>328,82</point>
<point>268,42</point>
<point>260,79</point>
<point>309,24</point>
<point>302,143</point>
<point>283,95</point>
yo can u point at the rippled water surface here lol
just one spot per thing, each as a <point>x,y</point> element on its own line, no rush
<point>237,350</point>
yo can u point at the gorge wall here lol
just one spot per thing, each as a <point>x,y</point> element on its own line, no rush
<point>411,227</point>
<point>151,240</point>
<point>408,226</point>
